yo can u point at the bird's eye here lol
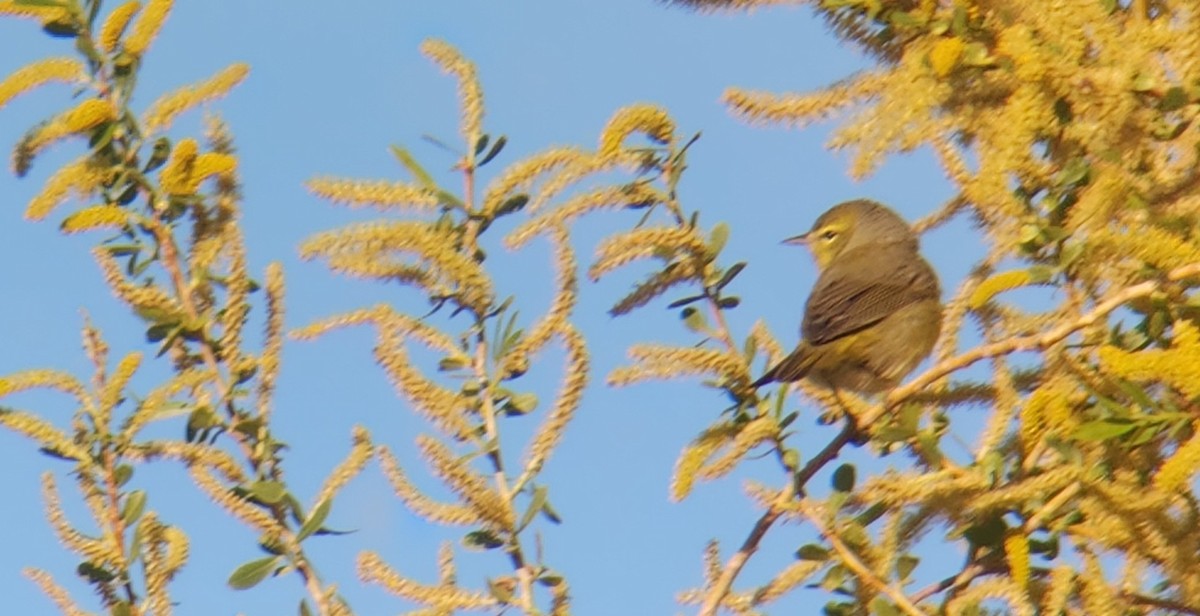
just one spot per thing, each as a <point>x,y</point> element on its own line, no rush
<point>829,235</point>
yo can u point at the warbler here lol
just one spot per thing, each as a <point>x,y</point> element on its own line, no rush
<point>875,311</point>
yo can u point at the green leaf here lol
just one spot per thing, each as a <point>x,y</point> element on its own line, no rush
<point>122,474</point>
<point>268,492</point>
<point>520,404</point>
<point>418,172</point>
<point>513,204</point>
<point>135,504</point>
<point>95,573</point>
<point>251,573</point>
<point>482,540</point>
<point>496,147</point>
<point>315,519</point>
<point>481,143</point>
<point>1174,98</point>
<point>694,320</point>
<point>304,609</point>
<point>1103,430</point>
<point>812,551</point>
<point>730,274</point>
<point>905,565</point>
<point>535,505</point>
<point>717,239</point>
<point>120,608</point>
<point>728,303</point>
<point>679,303</point>
<point>883,607</point>
<point>843,478</point>
<point>47,3</point>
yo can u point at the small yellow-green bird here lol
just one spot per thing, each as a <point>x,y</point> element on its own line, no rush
<point>875,312</point>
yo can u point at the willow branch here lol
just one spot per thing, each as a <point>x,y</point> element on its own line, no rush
<point>1031,342</point>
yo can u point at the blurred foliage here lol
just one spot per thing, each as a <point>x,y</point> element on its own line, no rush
<point>1066,128</point>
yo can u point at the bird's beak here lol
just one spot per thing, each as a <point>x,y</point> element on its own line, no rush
<point>799,240</point>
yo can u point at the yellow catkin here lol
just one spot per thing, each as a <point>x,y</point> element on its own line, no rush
<point>650,120</point>
<point>657,362</point>
<point>176,174</point>
<point>87,115</point>
<point>162,113</point>
<point>1177,471</point>
<point>468,484</point>
<point>438,513</point>
<point>78,177</point>
<point>147,26</point>
<point>372,570</point>
<point>695,454</point>
<point>608,197</point>
<point>750,436</point>
<point>45,14</point>
<point>792,576</point>
<point>381,194</point>
<point>630,246</point>
<point>523,173</point>
<point>115,24</point>
<point>96,217</point>
<point>570,396</point>
<point>1179,365</point>
<point>1016,552</point>
<point>239,508</point>
<point>997,284</point>
<point>44,433</point>
<point>347,469</point>
<point>30,76</point>
<point>945,55</point>
<point>63,601</point>
<point>470,93</point>
<point>92,549</point>
<point>42,379</point>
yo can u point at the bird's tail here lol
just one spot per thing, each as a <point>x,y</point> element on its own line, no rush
<point>793,367</point>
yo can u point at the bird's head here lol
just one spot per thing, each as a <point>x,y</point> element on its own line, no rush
<point>851,224</point>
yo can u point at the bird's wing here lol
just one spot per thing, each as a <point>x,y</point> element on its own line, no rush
<point>849,297</point>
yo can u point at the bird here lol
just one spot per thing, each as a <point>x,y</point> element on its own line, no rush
<point>875,311</point>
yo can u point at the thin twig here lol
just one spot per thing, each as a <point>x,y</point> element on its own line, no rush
<point>852,562</point>
<point>1031,342</point>
<point>712,602</point>
<point>958,580</point>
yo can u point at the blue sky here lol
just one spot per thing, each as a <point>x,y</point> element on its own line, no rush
<point>332,86</point>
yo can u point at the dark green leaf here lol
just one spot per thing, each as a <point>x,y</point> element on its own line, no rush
<point>1174,98</point>
<point>95,573</point>
<point>251,573</point>
<point>46,3</point>
<point>843,478</point>
<point>513,204</point>
<point>1102,430</point>
<point>812,551</point>
<point>730,274</point>
<point>905,565</point>
<point>496,147</point>
<point>872,513</point>
<point>304,609</point>
<point>521,404</point>
<point>482,540</point>
<point>728,303</point>
<point>316,518</point>
<point>1062,111</point>
<point>679,303</point>
<point>481,143</point>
